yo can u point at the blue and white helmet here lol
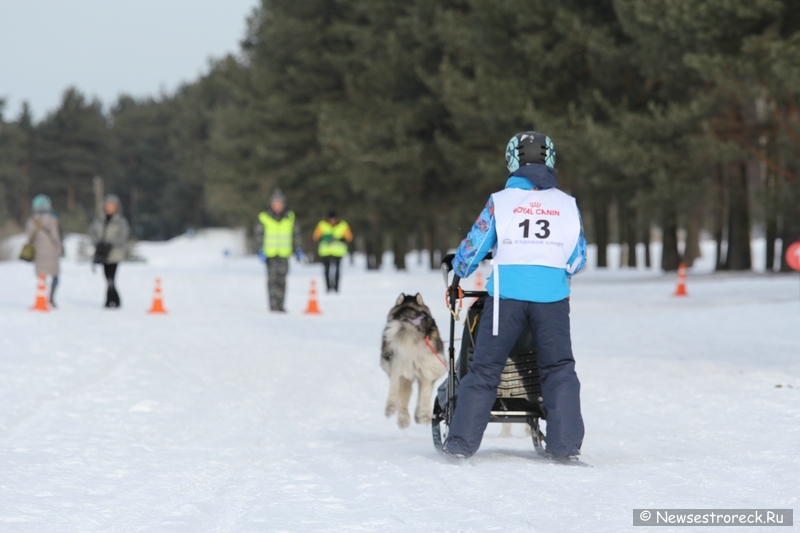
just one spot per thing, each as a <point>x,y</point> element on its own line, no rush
<point>530,147</point>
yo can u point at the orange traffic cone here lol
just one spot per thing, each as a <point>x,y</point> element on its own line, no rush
<point>681,289</point>
<point>313,307</point>
<point>41,297</point>
<point>158,301</point>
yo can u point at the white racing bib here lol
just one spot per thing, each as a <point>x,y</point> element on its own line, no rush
<point>533,228</point>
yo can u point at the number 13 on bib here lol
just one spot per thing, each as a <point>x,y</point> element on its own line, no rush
<point>535,227</point>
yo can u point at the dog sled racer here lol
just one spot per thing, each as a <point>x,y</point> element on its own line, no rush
<point>535,233</point>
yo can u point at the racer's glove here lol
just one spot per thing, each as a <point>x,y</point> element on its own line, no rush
<point>298,253</point>
<point>448,261</point>
<point>452,287</point>
<point>453,290</point>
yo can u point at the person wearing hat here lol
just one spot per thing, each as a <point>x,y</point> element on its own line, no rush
<point>44,233</point>
<point>109,232</point>
<point>280,237</point>
<point>535,234</point>
<point>333,234</point>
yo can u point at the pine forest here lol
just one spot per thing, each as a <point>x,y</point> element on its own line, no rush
<point>673,118</point>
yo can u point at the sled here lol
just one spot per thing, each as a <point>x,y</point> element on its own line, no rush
<point>519,395</point>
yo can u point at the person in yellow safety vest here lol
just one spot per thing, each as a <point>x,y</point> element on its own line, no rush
<point>333,234</point>
<point>280,237</point>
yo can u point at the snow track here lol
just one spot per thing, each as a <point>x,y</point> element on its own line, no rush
<point>220,417</point>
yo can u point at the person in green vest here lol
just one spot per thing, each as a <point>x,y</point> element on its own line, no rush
<point>333,234</point>
<point>280,237</point>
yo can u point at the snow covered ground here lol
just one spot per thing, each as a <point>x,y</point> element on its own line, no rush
<point>221,417</point>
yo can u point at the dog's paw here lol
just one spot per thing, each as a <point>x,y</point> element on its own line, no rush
<point>390,409</point>
<point>403,420</point>
<point>422,417</point>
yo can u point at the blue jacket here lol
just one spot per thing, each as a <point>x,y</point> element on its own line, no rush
<point>530,283</point>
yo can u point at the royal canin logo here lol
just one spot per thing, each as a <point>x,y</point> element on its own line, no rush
<point>536,209</point>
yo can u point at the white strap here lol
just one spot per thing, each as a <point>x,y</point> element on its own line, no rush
<point>496,308</point>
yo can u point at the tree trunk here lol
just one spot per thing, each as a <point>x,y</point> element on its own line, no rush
<point>791,230</point>
<point>133,208</point>
<point>418,247</point>
<point>444,236</point>
<point>198,210</point>
<point>718,237</point>
<point>71,193</point>
<point>632,235</point>
<point>370,252</point>
<point>600,218</point>
<point>427,244</point>
<point>24,208</point>
<point>692,249</point>
<point>771,209</point>
<point>739,222</point>
<point>622,233</point>
<point>25,198</point>
<point>648,263</point>
<point>374,246</point>
<point>772,234</point>
<point>400,247</point>
<point>719,211</point>
<point>670,258</point>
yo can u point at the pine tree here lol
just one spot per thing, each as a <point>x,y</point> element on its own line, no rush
<point>145,167</point>
<point>17,152</point>
<point>382,133</point>
<point>73,147</point>
<point>713,60</point>
<point>268,137</point>
<point>553,67</point>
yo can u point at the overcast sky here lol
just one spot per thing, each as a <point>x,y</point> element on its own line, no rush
<point>109,47</point>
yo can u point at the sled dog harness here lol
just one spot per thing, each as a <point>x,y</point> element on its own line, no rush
<point>430,346</point>
<point>417,321</point>
<point>536,228</point>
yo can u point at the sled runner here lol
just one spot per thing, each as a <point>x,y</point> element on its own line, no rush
<point>519,395</point>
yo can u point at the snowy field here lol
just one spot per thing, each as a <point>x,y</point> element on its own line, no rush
<point>221,417</point>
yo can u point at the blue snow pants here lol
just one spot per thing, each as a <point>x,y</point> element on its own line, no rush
<point>549,323</point>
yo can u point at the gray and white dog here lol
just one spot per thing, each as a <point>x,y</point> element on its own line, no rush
<point>412,350</point>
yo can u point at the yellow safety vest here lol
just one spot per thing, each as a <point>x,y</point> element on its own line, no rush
<point>334,245</point>
<point>277,234</point>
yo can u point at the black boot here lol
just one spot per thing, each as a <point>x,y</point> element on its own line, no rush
<point>115,297</point>
<point>112,298</point>
<point>53,286</point>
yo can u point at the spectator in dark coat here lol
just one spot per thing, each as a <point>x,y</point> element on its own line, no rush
<point>110,232</point>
